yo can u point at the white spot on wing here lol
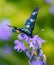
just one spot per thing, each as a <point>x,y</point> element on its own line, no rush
<point>32,20</point>
<point>34,13</point>
<point>28,23</point>
<point>28,26</point>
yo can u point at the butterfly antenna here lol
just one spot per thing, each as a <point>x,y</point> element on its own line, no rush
<point>12,26</point>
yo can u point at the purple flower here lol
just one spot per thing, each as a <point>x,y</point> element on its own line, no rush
<point>41,53</point>
<point>19,46</point>
<point>35,42</point>
<point>39,40</point>
<point>7,49</point>
<point>22,36</point>
<point>35,54</point>
<point>48,1</point>
<point>36,62</point>
<point>28,54</point>
<point>52,10</point>
<point>5,32</point>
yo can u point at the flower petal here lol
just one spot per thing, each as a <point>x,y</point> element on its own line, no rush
<point>19,45</point>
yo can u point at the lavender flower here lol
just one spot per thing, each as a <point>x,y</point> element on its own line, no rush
<point>39,59</point>
<point>35,42</point>
<point>22,36</point>
<point>52,10</point>
<point>28,54</point>
<point>36,56</point>
<point>7,49</point>
<point>36,62</point>
<point>5,32</point>
<point>19,46</point>
<point>48,1</point>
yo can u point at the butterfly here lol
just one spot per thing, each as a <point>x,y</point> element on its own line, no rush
<point>29,25</point>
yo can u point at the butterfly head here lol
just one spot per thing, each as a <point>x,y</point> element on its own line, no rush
<point>15,29</point>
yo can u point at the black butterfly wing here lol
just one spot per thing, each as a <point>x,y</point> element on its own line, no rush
<point>30,23</point>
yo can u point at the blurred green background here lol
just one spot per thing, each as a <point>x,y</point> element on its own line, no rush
<point>17,11</point>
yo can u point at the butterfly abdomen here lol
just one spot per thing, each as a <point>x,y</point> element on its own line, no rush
<point>26,31</point>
